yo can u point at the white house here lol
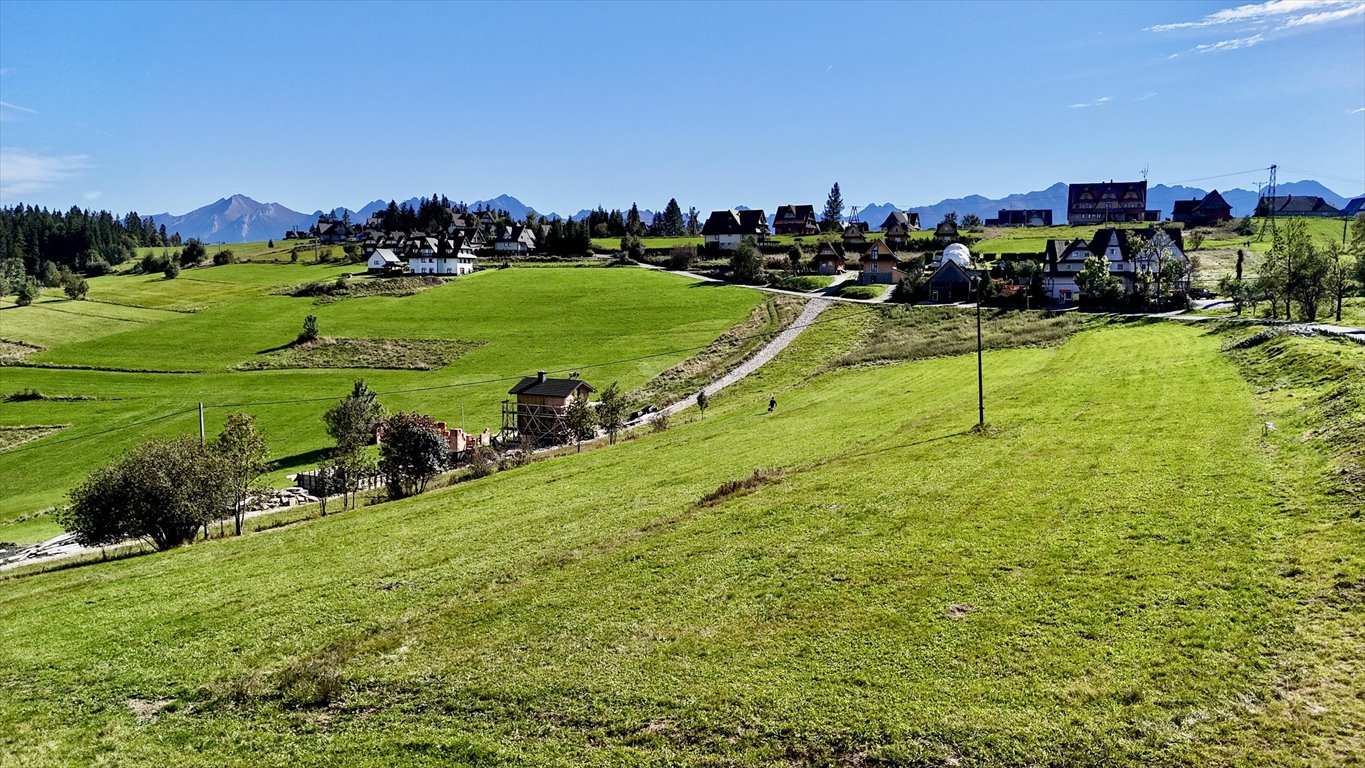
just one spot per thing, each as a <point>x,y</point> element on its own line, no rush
<point>515,240</point>
<point>447,256</point>
<point>1063,259</point>
<point>726,229</point>
<point>384,260</point>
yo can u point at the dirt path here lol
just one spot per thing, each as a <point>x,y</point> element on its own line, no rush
<point>808,314</point>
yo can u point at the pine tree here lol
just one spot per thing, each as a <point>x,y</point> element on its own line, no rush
<point>673,222</point>
<point>634,226</point>
<point>834,210</point>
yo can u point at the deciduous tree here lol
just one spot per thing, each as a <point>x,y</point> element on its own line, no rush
<point>580,420</point>
<point>247,459</point>
<point>413,451</point>
<point>163,491</point>
<point>611,411</point>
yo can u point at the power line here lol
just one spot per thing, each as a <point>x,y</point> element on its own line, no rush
<point>75,438</point>
<point>457,385</point>
<point>1221,176</point>
<point>1357,182</point>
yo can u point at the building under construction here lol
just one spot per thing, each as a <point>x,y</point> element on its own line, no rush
<point>541,405</point>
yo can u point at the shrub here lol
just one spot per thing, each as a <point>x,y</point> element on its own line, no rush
<point>660,422</point>
<point>151,264</point>
<point>27,292</point>
<point>75,286</point>
<point>681,257</point>
<point>172,270</point>
<point>193,253</point>
<point>223,257</point>
<point>481,461</point>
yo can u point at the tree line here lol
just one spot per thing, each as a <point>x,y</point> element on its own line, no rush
<point>88,242</point>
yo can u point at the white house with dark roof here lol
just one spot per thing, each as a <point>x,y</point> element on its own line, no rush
<point>444,256</point>
<point>1063,260</point>
<point>383,260</point>
<point>727,229</point>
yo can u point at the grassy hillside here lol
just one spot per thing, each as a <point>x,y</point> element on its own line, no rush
<point>168,344</point>
<point>1120,572</point>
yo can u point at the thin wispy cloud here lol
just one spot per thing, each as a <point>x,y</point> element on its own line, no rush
<point>1355,111</point>
<point>1146,96</point>
<point>1272,11</point>
<point>1231,45</point>
<point>1325,17</point>
<point>7,105</point>
<point>93,195</point>
<point>1095,103</point>
<point>23,172</point>
<point>1259,22</point>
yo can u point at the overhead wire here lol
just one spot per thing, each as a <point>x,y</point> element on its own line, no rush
<point>434,387</point>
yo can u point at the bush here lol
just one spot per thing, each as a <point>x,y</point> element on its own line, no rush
<point>412,452</point>
<point>193,253</point>
<point>681,257</point>
<point>223,257</point>
<point>75,287</point>
<point>151,264</point>
<point>481,461</point>
<point>660,422</point>
<point>27,292</point>
<point>172,270</point>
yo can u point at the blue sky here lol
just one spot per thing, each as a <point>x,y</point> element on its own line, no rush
<point>166,107</point>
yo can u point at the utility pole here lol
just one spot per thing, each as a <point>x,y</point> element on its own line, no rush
<point>980,390</point>
<point>201,424</point>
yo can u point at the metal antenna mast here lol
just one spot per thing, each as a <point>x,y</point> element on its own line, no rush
<point>1268,196</point>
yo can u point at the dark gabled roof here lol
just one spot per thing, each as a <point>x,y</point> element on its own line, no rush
<point>945,228</point>
<point>828,250</point>
<point>721,223</point>
<point>1184,206</point>
<point>534,386</point>
<point>732,222</point>
<point>1214,200</point>
<point>1354,207</point>
<point>1292,204</point>
<point>952,271</point>
<point>802,212</point>
<point>876,250</point>
<point>753,222</point>
<point>1106,190</point>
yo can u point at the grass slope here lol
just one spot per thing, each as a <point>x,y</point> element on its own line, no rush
<point>1105,580</point>
<point>525,320</point>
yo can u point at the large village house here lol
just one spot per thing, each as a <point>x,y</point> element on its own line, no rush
<point>1064,259</point>
<point>898,226</point>
<point>1202,213</point>
<point>443,256</point>
<point>878,265</point>
<point>1296,205</point>
<point>1106,202</point>
<point>515,240</point>
<point>1021,217</point>
<point>725,230</point>
<point>795,220</point>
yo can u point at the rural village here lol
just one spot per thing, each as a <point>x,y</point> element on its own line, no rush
<point>1017,420</point>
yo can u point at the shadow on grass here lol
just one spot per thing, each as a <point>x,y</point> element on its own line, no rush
<point>306,458</point>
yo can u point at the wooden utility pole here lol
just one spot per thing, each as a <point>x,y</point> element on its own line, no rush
<point>201,424</point>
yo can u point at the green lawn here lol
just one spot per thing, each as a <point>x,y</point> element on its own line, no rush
<point>1122,572</point>
<point>851,290</point>
<point>161,363</point>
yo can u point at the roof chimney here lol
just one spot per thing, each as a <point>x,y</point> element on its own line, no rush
<point>540,375</point>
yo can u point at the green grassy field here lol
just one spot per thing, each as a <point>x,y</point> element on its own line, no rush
<point>1007,240</point>
<point>159,363</point>
<point>1122,571</point>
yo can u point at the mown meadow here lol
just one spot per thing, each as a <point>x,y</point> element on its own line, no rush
<point>1122,569</point>
<point>143,351</point>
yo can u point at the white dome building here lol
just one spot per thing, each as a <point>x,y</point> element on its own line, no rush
<point>957,252</point>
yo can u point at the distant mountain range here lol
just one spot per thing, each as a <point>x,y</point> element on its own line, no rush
<point>239,219</point>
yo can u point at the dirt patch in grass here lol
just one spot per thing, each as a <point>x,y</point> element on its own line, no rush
<point>329,291</point>
<point>722,355</point>
<point>397,354</point>
<point>916,333</point>
<point>13,437</point>
<point>732,488</point>
<point>148,710</point>
<point>15,350</point>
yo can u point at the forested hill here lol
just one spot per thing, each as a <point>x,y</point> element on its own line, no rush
<point>85,241</point>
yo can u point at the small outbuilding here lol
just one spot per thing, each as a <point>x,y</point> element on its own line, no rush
<point>951,282</point>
